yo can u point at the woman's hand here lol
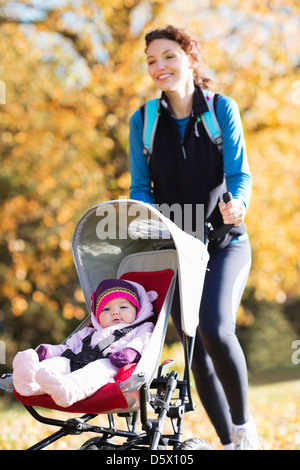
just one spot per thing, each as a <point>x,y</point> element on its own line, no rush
<point>233,212</point>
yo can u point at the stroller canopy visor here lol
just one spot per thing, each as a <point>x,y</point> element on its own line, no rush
<point>112,230</point>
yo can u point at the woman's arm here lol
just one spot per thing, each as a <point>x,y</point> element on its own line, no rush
<point>141,187</point>
<point>236,167</point>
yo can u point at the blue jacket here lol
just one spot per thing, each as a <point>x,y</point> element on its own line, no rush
<point>186,167</point>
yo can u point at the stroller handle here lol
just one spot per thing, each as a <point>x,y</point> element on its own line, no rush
<point>213,234</point>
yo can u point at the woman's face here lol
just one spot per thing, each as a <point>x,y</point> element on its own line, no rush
<point>168,65</point>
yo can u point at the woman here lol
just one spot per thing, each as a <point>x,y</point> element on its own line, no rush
<point>186,167</point>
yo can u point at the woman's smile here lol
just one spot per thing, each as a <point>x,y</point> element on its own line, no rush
<point>164,76</point>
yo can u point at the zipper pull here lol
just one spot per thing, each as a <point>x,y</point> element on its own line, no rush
<point>183,150</point>
<point>196,126</point>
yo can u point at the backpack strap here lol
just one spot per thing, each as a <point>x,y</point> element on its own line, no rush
<point>151,113</point>
<point>210,121</point>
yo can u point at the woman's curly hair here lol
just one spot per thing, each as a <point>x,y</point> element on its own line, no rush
<point>189,44</point>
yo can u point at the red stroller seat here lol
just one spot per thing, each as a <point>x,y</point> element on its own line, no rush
<point>110,397</point>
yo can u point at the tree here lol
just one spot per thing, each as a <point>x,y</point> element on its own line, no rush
<point>71,85</point>
<point>74,74</point>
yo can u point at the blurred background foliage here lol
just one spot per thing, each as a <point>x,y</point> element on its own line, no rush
<point>74,72</point>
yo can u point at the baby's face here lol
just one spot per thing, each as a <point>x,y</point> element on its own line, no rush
<point>116,311</point>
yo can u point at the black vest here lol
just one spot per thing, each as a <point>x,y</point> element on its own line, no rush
<point>189,171</point>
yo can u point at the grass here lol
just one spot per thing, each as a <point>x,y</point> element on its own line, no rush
<point>274,405</point>
<point>275,408</point>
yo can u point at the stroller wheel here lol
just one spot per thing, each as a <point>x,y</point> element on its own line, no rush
<point>96,443</point>
<point>195,443</point>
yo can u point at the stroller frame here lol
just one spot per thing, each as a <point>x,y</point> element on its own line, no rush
<point>153,437</point>
<point>192,258</point>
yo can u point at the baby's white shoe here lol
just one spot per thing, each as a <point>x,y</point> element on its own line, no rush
<point>25,365</point>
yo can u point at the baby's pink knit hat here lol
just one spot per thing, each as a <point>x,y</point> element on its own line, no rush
<point>111,289</point>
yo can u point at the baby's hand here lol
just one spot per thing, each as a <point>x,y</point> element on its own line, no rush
<point>123,357</point>
<point>43,352</point>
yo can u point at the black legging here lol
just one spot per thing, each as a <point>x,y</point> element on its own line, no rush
<point>219,365</point>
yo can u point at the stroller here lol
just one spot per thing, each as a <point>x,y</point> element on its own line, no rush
<point>133,241</point>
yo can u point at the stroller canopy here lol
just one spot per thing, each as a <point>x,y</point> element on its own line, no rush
<point>112,230</point>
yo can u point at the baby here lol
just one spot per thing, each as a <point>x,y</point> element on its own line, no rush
<point>90,358</point>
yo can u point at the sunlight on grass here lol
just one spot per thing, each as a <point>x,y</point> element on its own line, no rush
<point>275,408</point>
